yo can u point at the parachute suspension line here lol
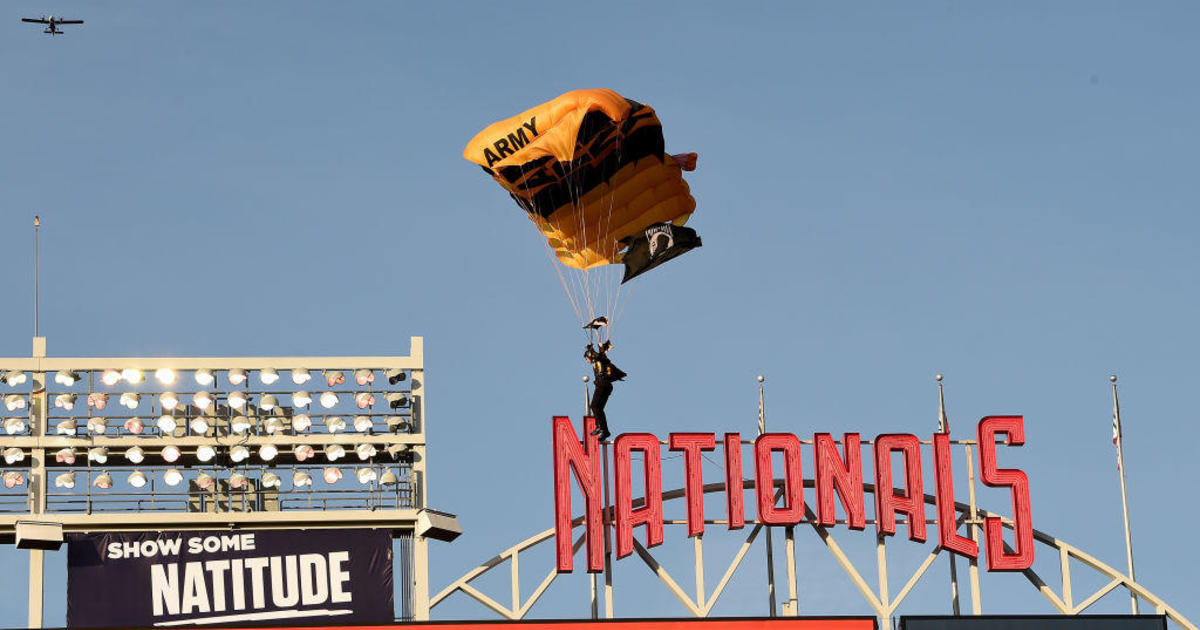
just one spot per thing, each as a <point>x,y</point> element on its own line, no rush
<point>556,265</point>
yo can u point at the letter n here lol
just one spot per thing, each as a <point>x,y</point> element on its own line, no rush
<point>840,477</point>
<point>651,511</point>
<point>1013,427</point>
<point>570,454</point>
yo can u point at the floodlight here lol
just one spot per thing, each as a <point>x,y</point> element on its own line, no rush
<point>267,452</point>
<point>204,376</point>
<point>132,376</point>
<point>364,376</point>
<point>137,479</point>
<point>273,425</point>
<point>97,425</point>
<point>205,453</point>
<point>13,378</point>
<point>237,400</point>
<point>65,455</point>
<point>65,480</point>
<point>329,400</point>
<point>270,480</point>
<point>65,401</point>
<point>13,478</point>
<point>237,481</point>
<point>204,481</point>
<point>365,451</point>
<point>334,452</point>
<point>202,400</point>
<point>239,424</point>
<point>66,427</point>
<point>366,475</point>
<point>267,403</point>
<point>364,399</point>
<point>130,400</point>
<point>362,424</point>
<point>98,454</point>
<point>303,452</point>
<point>397,423</point>
<point>301,423</point>
<point>395,376</point>
<point>167,424</point>
<point>135,454</point>
<point>166,376</point>
<point>168,400</point>
<point>134,425</point>
<point>239,454</point>
<point>334,377</point>
<point>396,450</point>
<point>98,400</point>
<point>170,454</point>
<point>110,377</point>
<point>104,481</point>
<point>13,402</point>
<point>172,477</point>
<point>332,475</point>
<point>300,376</point>
<point>237,376</point>
<point>301,479</point>
<point>66,378</point>
<point>388,478</point>
<point>397,400</point>
<point>13,455</point>
<point>268,376</point>
<point>335,424</point>
<point>301,398</point>
<point>200,425</point>
<point>13,426</point>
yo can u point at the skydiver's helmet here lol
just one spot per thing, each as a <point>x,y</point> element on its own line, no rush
<point>590,354</point>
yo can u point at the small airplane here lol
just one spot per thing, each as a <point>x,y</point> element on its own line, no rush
<point>53,22</point>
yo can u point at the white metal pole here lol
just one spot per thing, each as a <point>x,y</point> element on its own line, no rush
<point>1133,602</point>
<point>762,428</point>
<point>944,427</point>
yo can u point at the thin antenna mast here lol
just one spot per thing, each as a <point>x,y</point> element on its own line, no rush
<point>37,224</point>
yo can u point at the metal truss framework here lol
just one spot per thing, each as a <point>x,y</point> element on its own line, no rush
<point>1064,599</point>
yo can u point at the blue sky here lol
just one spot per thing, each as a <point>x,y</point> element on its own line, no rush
<point>1002,193</point>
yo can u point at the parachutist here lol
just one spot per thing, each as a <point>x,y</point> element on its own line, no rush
<point>605,373</point>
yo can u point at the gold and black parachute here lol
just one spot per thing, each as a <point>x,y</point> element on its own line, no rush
<point>590,170</point>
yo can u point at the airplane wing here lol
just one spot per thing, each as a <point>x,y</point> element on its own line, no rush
<point>70,21</point>
<point>35,20</point>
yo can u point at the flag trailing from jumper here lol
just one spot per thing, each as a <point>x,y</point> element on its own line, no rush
<point>656,245</point>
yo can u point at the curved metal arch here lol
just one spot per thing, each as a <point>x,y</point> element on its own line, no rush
<point>701,605</point>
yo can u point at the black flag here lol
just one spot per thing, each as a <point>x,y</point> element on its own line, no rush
<point>656,245</point>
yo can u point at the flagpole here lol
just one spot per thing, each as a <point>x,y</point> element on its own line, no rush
<point>1124,501</point>
<point>944,427</point>
<point>762,428</point>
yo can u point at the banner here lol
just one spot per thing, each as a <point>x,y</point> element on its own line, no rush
<point>1046,622</point>
<point>327,576</point>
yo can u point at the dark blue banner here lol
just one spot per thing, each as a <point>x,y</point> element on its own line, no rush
<point>264,577</point>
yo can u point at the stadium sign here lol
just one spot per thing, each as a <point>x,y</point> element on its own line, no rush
<point>221,577</point>
<point>838,478</point>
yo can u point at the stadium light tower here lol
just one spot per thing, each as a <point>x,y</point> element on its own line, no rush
<point>175,444</point>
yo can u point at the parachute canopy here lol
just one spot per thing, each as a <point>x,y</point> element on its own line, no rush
<point>590,170</point>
